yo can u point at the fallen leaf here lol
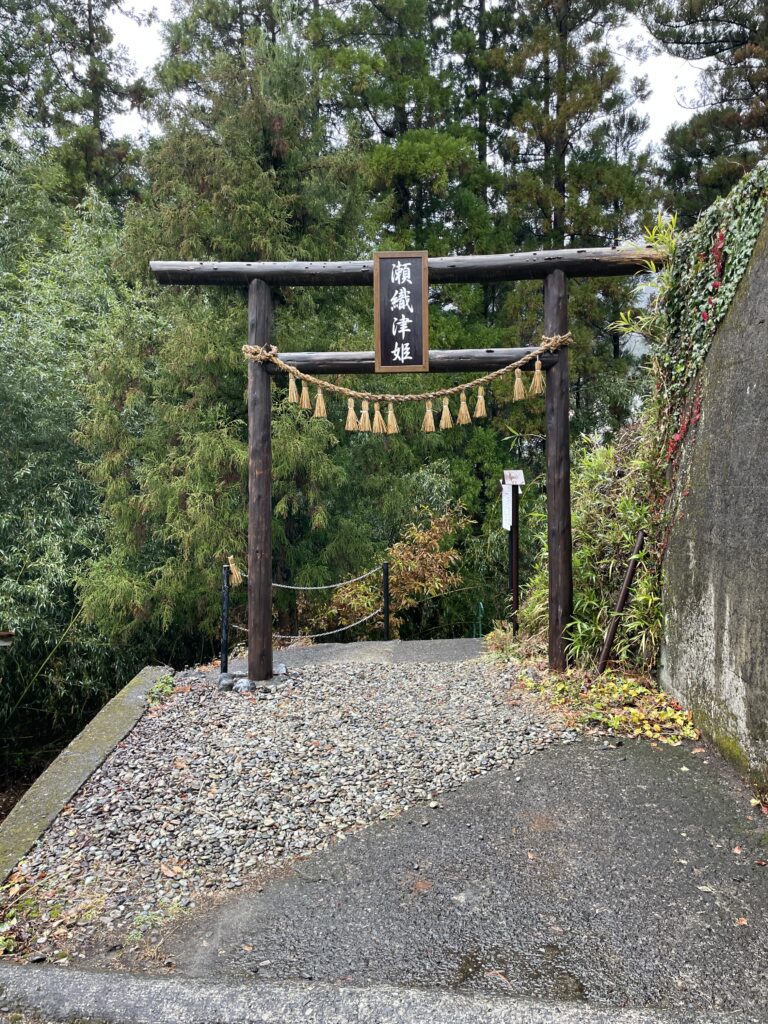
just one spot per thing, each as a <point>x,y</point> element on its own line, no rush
<point>699,750</point>
<point>182,689</point>
<point>761,863</point>
<point>247,949</point>
<point>685,769</point>
<point>531,856</point>
<point>500,976</point>
<point>705,888</point>
<point>421,885</point>
<point>741,921</point>
<point>755,803</point>
<point>737,849</point>
<point>168,872</point>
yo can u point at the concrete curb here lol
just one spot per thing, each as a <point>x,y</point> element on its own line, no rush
<point>62,994</point>
<point>46,797</point>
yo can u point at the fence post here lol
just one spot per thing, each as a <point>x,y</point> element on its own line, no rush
<point>224,630</point>
<point>385,587</point>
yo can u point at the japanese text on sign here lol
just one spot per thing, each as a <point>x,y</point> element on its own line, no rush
<point>400,306</point>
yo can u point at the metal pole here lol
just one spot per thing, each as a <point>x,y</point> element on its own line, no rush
<point>514,561</point>
<point>385,587</point>
<point>613,625</point>
<point>224,632</point>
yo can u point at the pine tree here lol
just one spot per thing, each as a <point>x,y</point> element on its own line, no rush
<point>704,157</point>
<point>243,170</point>
<point>61,68</point>
<point>379,65</point>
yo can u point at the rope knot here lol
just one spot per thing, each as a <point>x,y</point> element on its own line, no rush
<point>261,353</point>
<point>555,341</point>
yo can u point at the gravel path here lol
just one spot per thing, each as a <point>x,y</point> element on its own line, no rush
<point>211,789</point>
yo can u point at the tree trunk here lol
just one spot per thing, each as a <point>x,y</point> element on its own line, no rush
<point>560,143</point>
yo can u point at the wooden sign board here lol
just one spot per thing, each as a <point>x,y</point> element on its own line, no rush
<point>401,311</point>
<point>515,477</point>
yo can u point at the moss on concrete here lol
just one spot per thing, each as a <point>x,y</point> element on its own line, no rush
<point>715,649</point>
<point>46,797</point>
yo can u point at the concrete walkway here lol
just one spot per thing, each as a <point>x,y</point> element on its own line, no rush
<point>612,883</point>
<point>605,874</point>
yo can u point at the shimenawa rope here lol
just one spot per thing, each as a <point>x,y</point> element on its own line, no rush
<point>268,354</point>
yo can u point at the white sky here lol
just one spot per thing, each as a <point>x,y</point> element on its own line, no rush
<point>672,80</point>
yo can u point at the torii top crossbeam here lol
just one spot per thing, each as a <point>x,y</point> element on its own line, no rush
<point>515,266</point>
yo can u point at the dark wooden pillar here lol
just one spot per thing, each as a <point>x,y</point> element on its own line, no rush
<point>558,473</point>
<point>259,488</point>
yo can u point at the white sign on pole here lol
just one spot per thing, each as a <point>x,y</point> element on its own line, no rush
<point>515,477</point>
<point>506,506</point>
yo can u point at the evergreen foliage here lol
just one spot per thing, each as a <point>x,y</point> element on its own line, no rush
<point>308,131</point>
<point>705,157</point>
<point>52,309</point>
<point>61,68</point>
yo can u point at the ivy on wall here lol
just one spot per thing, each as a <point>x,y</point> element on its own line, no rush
<point>694,292</point>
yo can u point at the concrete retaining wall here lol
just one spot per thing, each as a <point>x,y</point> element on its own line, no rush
<point>715,648</point>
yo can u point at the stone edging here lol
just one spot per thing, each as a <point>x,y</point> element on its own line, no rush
<point>53,790</point>
<point>69,994</point>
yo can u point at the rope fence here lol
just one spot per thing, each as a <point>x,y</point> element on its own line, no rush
<point>238,574</point>
<point>329,586</point>
<point>316,636</point>
<point>231,571</point>
<point>329,632</point>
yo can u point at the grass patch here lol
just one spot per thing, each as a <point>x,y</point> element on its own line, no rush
<point>162,689</point>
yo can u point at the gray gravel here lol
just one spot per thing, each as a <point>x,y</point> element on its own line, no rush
<point>212,788</point>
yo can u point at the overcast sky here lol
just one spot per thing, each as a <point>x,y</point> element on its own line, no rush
<point>673,81</point>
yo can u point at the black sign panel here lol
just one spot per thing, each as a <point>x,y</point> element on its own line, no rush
<point>401,312</point>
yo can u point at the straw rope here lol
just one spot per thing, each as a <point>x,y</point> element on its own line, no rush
<point>268,354</point>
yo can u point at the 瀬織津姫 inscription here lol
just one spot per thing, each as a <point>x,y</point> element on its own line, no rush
<point>400,298</point>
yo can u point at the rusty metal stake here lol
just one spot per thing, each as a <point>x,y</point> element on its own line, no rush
<point>613,625</point>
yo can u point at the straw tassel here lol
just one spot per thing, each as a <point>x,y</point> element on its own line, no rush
<point>445,418</point>
<point>320,412</point>
<point>306,401</point>
<point>379,426</point>
<point>293,393</point>
<point>463,418</point>
<point>537,384</point>
<point>480,411</point>
<point>235,576</point>
<point>392,427</point>
<point>365,418</point>
<point>428,423</point>
<point>519,389</point>
<point>351,423</point>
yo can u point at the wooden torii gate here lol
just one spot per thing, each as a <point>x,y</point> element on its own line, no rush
<point>554,267</point>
